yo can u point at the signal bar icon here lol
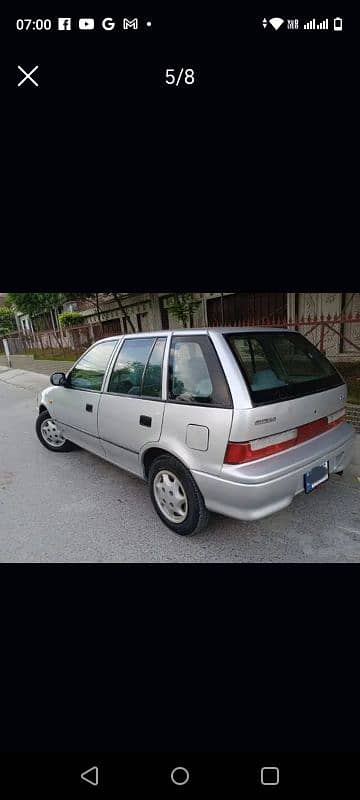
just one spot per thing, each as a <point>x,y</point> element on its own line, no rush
<point>312,25</point>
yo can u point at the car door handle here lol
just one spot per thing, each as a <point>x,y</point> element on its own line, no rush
<point>89,407</point>
<point>145,421</point>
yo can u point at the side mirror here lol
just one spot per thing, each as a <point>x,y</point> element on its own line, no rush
<point>58,378</point>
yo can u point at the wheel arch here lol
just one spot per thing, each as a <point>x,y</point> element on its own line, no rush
<point>153,452</point>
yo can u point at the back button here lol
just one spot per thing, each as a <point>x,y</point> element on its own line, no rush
<point>91,776</point>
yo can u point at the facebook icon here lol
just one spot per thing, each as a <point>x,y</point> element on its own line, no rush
<point>64,23</point>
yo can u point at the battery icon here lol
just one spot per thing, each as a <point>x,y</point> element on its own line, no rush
<point>337,24</point>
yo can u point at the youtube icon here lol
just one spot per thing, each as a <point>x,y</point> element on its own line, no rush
<point>86,24</point>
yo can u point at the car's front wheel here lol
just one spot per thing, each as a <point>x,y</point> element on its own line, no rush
<point>176,497</point>
<point>50,436</point>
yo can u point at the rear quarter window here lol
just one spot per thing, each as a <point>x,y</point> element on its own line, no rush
<point>195,374</point>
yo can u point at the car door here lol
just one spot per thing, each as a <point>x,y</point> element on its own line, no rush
<point>75,405</point>
<point>131,408</point>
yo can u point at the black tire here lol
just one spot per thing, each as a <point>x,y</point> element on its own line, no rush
<point>197,516</point>
<point>64,448</point>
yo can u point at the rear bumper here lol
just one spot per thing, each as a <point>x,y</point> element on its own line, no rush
<point>258,489</point>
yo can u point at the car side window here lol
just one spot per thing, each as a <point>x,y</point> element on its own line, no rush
<point>195,374</point>
<point>128,371</point>
<point>90,370</point>
<point>152,383</point>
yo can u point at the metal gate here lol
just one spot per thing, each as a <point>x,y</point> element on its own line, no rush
<point>241,306</point>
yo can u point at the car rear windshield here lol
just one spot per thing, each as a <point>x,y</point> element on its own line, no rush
<point>281,366</point>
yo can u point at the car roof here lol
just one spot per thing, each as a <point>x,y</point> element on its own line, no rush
<point>195,331</point>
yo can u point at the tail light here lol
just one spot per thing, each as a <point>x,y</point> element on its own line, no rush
<point>334,419</point>
<point>241,452</point>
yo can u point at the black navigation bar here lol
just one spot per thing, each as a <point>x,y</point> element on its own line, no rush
<point>186,774</point>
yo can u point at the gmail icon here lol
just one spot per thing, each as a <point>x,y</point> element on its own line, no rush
<point>130,23</point>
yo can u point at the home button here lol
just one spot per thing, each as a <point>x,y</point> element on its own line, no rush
<point>180,776</point>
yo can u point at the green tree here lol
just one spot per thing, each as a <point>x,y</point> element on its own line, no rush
<point>116,296</point>
<point>94,299</point>
<point>90,297</point>
<point>33,303</point>
<point>182,306</point>
<point>36,303</point>
<point>7,321</point>
<point>67,318</point>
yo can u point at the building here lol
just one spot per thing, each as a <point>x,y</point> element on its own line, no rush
<point>150,311</point>
<point>305,304</point>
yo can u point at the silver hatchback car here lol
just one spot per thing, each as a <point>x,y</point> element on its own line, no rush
<point>232,420</point>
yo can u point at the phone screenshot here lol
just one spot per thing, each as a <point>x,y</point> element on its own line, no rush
<point>180,401</point>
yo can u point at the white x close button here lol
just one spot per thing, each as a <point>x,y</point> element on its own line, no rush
<point>28,75</point>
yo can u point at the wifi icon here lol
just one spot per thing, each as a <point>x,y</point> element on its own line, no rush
<point>276,22</point>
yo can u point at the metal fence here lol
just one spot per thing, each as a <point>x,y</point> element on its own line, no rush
<point>322,331</point>
<point>72,341</point>
<point>339,334</point>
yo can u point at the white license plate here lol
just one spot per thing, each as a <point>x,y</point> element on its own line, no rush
<point>316,476</point>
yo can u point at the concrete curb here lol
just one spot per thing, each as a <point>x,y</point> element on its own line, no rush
<point>23,379</point>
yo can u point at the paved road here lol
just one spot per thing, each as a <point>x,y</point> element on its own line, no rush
<point>74,507</point>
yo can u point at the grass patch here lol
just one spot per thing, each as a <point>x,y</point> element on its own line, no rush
<point>353,391</point>
<point>60,355</point>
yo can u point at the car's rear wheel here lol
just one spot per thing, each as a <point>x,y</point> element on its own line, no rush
<point>176,497</point>
<point>50,436</point>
